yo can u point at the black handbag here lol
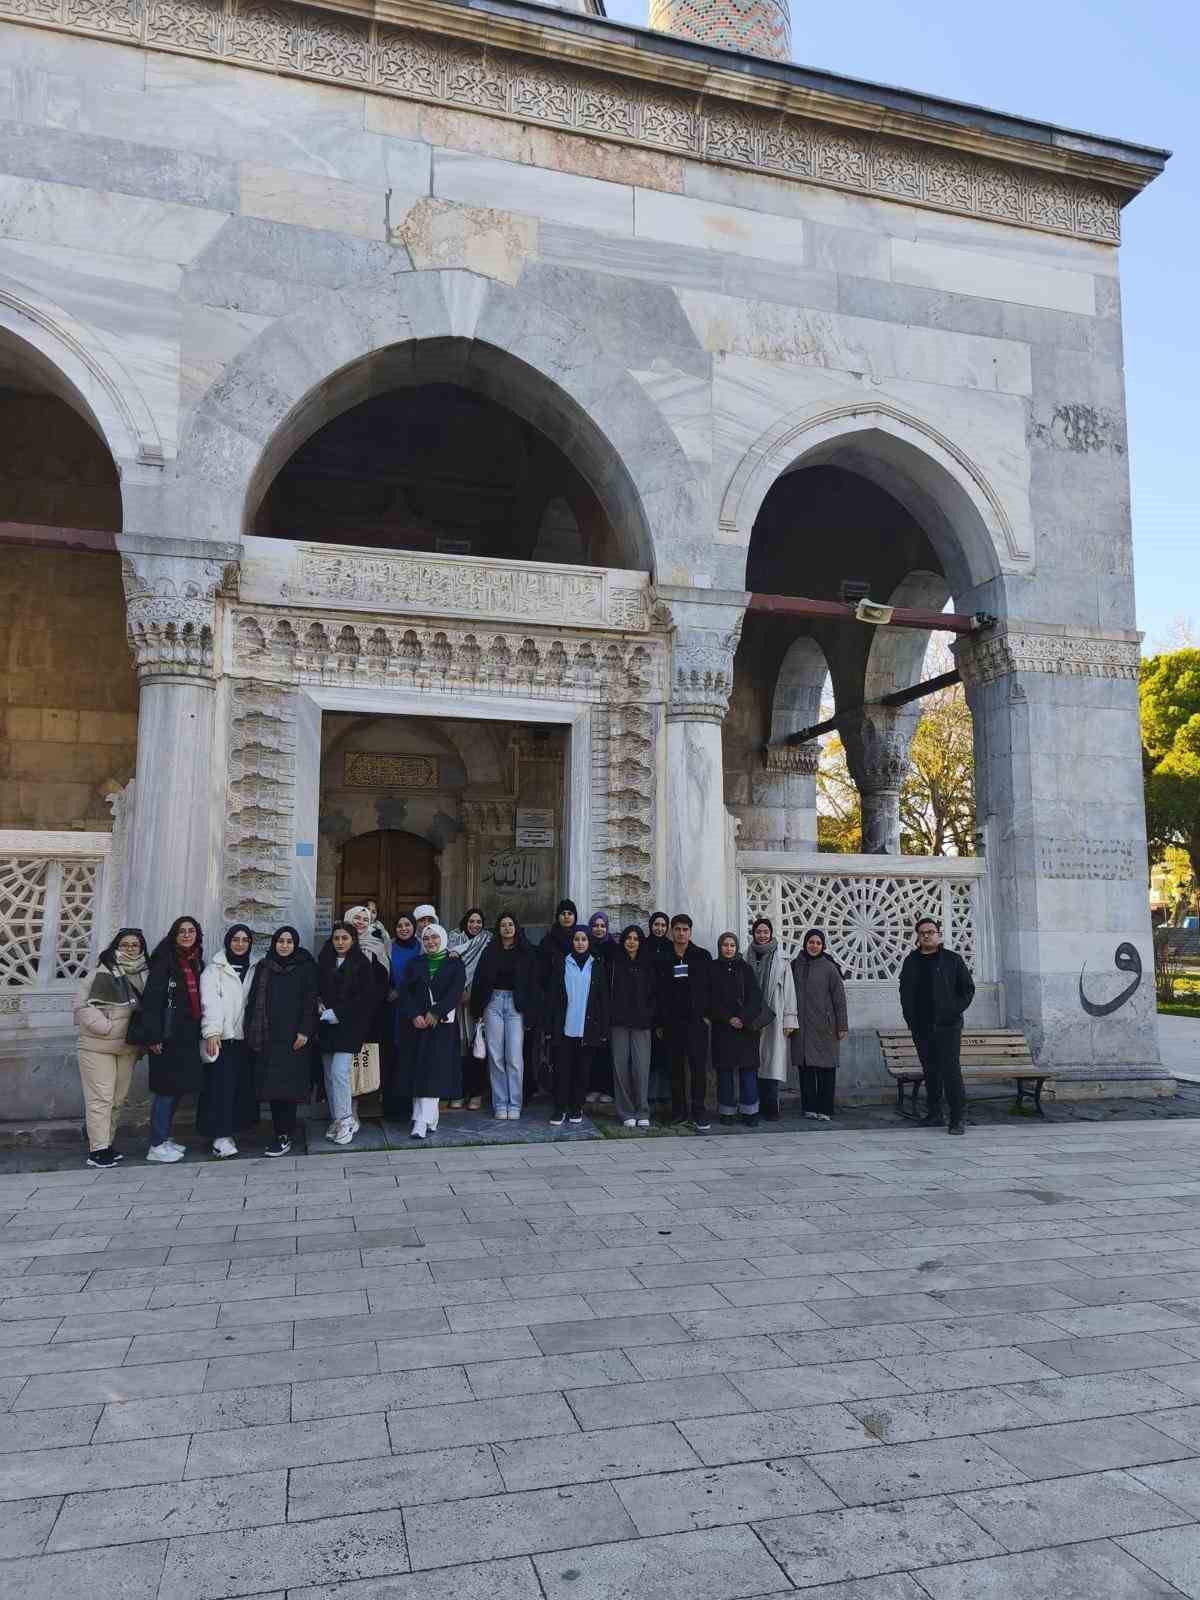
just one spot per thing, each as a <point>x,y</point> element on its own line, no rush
<point>141,1029</point>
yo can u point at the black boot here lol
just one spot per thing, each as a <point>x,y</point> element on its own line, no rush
<point>956,1125</point>
<point>933,1118</point>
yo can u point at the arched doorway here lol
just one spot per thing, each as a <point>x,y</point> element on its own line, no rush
<point>395,869</point>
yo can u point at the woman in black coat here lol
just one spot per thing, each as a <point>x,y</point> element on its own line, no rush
<point>633,988</point>
<point>349,991</point>
<point>736,1001</point>
<point>433,986</point>
<point>578,1016</point>
<point>658,948</point>
<point>281,1019</point>
<point>169,1023</point>
<point>506,996</point>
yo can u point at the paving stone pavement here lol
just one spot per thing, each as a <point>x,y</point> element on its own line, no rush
<point>856,1365</point>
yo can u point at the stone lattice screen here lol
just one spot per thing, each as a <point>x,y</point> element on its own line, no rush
<point>47,918</point>
<point>868,916</point>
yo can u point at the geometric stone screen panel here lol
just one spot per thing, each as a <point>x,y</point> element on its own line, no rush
<point>76,917</point>
<point>868,917</point>
<point>49,911</point>
<point>22,917</point>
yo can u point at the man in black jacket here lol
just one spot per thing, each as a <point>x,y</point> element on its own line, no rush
<point>683,983</point>
<point>935,990</point>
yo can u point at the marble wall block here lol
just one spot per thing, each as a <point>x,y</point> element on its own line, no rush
<point>557,196</point>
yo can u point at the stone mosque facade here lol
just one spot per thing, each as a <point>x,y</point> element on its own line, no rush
<point>401,408</point>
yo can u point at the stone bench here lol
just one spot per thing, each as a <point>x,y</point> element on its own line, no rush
<point>991,1056</point>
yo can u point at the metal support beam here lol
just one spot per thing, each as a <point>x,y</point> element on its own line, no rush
<point>899,697</point>
<point>902,616</point>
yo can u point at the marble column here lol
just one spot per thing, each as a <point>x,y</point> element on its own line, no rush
<point>1059,797</point>
<point>702,651</point>
<point>877,743</point>
<point>170,590</point>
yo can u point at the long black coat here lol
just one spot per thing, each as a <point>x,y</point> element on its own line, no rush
<point>527,995</point>
<point>434,1070</point>
<point>352,991</point>
<point>179,1069</point>
<point>280,1072</point>
<point>596,1019</point>
<point>633,988</point>
<point>734,992</point>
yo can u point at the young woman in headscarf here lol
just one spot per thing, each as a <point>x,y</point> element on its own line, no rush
<point>107,999</point>
<point>633,992</point>
<point>433,987</point>
<point>281,1020</point>
<point>821,1025</point>
<point>347,991</point>
<point>227,1103</point>
<point>778,1017</point>
<point>735,1003</point>
<point>170,1024</point>
<point>505,996</point>
<point>552,952</point>
<point>604,948</point>
<point>656,950</point>
<point>468,942</point>
<point>375,945</point>
<point>578,1014</point>
<point>401,1039</point>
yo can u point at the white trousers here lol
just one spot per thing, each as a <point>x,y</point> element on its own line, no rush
<point>425,1113</point>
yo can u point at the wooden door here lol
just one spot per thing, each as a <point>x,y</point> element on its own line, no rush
<point>396,870</point>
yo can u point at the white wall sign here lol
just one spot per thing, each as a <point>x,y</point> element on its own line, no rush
<point>535,830</point>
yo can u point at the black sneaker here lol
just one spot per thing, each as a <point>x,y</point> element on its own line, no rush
<point>728,1121</point>
<point>103,1158</point>
<point>771,1113</point>
<point>956,1127</point>
<point>933,1119</point>
<point>281,1145</point>
<point>701,1124</point>
<point>749,1119</point>
<point>557,1120</point>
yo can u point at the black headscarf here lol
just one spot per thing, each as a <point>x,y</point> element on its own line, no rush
<point>277,963</point>
<point>240,964</point>
<point>824,955</point>
<point>657,944</point>
<point>557,942</point>
<point>258,1012</point>
<point>581,957</point>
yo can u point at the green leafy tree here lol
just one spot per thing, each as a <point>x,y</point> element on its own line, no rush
<point>937,798</point>
<point>1169,696</point>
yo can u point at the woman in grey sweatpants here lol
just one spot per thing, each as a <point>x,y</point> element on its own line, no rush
<point>631,984</point>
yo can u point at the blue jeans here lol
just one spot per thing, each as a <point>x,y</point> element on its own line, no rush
<point>504,1030</point>
<point>337,1084</point>
<point>737,1090</point>
<point>162,1112</point>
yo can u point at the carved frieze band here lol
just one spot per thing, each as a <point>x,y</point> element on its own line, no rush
<point>982,661</point>
<point>402,583</point>
<point>316,44</point>
<point>287,647</point>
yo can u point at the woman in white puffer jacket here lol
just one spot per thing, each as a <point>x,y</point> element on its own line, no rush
<point>227,1102</point>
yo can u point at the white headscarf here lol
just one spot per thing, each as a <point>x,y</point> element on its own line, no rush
<point>442,936</point>
<point>369,941</point>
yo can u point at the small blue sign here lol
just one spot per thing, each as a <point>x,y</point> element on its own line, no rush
<point>304,848</point>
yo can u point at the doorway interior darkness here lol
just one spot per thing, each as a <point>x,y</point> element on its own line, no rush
<point>397,870</point>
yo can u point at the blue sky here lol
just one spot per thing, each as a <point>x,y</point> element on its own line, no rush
<point>1116,67</point>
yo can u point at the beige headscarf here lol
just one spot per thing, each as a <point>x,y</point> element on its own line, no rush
<point>369,941</point>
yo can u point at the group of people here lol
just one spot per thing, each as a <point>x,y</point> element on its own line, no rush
<point>415,1015</point>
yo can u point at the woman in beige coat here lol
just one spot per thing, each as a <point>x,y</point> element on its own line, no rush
<point>104,1004</point>
<point>777,1020</point>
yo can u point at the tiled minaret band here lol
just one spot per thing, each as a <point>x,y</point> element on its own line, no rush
<point>761,27</point>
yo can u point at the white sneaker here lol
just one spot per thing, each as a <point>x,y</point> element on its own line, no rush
<point>811,1116</point>
<point>331,1132</point>
<point>502,1114</point>
<point>175,1145</point>
<point>629,1122</point>
<point>418,1131</point>
<point>594,1098</point>
<point>355,1125</point>
<point>164,1152</point>
<point>822,1117</point>
<point>223,1148</point>
<point>344,1131</point>
<point>643,1122</point>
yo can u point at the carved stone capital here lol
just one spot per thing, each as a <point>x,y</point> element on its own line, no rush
<point>170,605</point>
<point>703,645</point>
<point>800,760</point>
<point>1046,648</point>
<point>877,745</point>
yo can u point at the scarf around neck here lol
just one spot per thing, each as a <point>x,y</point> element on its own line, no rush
<point>762,957</point>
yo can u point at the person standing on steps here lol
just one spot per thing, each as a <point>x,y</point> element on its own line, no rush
<point>632,983</point>
<point>349,991</point>
<point>936,988</point>
<point>170,1018</point>
<point>433,987</point>
<point>735,1008</point>
<point>281,1019</point>
<point>401,1041</point>
<point>107,999</point>
<point>367,1074</point>
<point>821,1025</point>
<point>578,1007</point>
<point>604,948</point>
<point>656,950</point>
<point>684,1000</point>
<point>551,952</point>
<point>227,1103</point>
<point>777,1020</point>
<point>468,942</point>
